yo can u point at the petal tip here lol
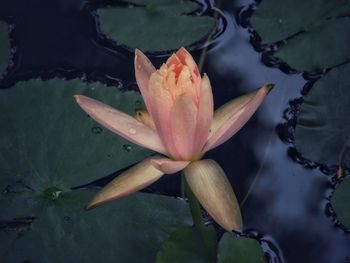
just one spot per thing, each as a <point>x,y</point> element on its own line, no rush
<point>268,87</point>
<point>137,53</point>
<point>91,205</point>
<point>77,98</point>
<point>183,49</point>
<point>98,200</point>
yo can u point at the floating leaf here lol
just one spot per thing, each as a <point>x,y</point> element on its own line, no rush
<point>48,145</point>
<point>159,2</point>
<point>323,125</point>
<point>233,249</point>
<point>45,132</point>
<point>129,230</point>
<point>4,47</point>
<point>341,202</point>
<point>186,244</point>
<point>155,26</point>
<point>319,31</point>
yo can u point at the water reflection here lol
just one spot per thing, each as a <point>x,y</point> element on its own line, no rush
<point>288,202</point>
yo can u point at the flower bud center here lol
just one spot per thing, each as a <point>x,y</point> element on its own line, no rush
<point>180,79</point>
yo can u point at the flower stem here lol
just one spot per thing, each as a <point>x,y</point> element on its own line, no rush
<point>207,234</point>
<point>194,206</point>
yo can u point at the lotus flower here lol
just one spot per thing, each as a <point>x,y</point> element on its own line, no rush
<point>180,124</point>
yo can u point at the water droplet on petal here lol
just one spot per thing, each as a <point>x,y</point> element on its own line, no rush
<point>107,109</point>
<point>132,131</point>
<point>127,147</point>
<point>139,67</point>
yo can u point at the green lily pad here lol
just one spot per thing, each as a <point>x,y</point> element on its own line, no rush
<point>233,249</point>
<point>48,144</point>
<point>155,26</point>
<point>186,6</point>
<point>318,30</point>
<point>186,244</point>
<point>322,132</point>
<point>341,202</point>
<point>128,230</point>
<point>4,47</point>
<point>45,134</point>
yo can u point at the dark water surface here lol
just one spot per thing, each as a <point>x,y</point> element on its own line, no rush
<point>288,207</point>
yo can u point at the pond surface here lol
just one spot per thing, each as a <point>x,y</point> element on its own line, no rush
<point>288,205</point>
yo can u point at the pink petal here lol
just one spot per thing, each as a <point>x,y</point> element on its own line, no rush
<point>143,71</point>
<point>210,185</point>
<point>183,119</point>
<point>132,180</point>
<point>232,116</point>
<point>204,116</point>
<point>169,166</point>
<point>160,105</point>
<point>121,124</point>
<point>173,60</point>
<point>186,59</point>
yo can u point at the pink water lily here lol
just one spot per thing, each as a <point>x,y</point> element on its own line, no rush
<point>179,122</point>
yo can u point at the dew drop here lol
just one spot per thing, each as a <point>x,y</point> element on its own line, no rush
<point>96,130</point>
<point>138,103</point>
<point>132,131</point>
<point>52,193</point>
<point>139,67</point>
<point>127,147</point>
<point>109,110</point>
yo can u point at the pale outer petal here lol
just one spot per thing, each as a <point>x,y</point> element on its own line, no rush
<point>121,124</point>
<point>169,166</point>
<point>232,116</point>
<point>204,116</point>
<point>183,119</point>
<point>160,105</point>
<point>132,180</point>
<point>143,72</point>
<point>210,185</point>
